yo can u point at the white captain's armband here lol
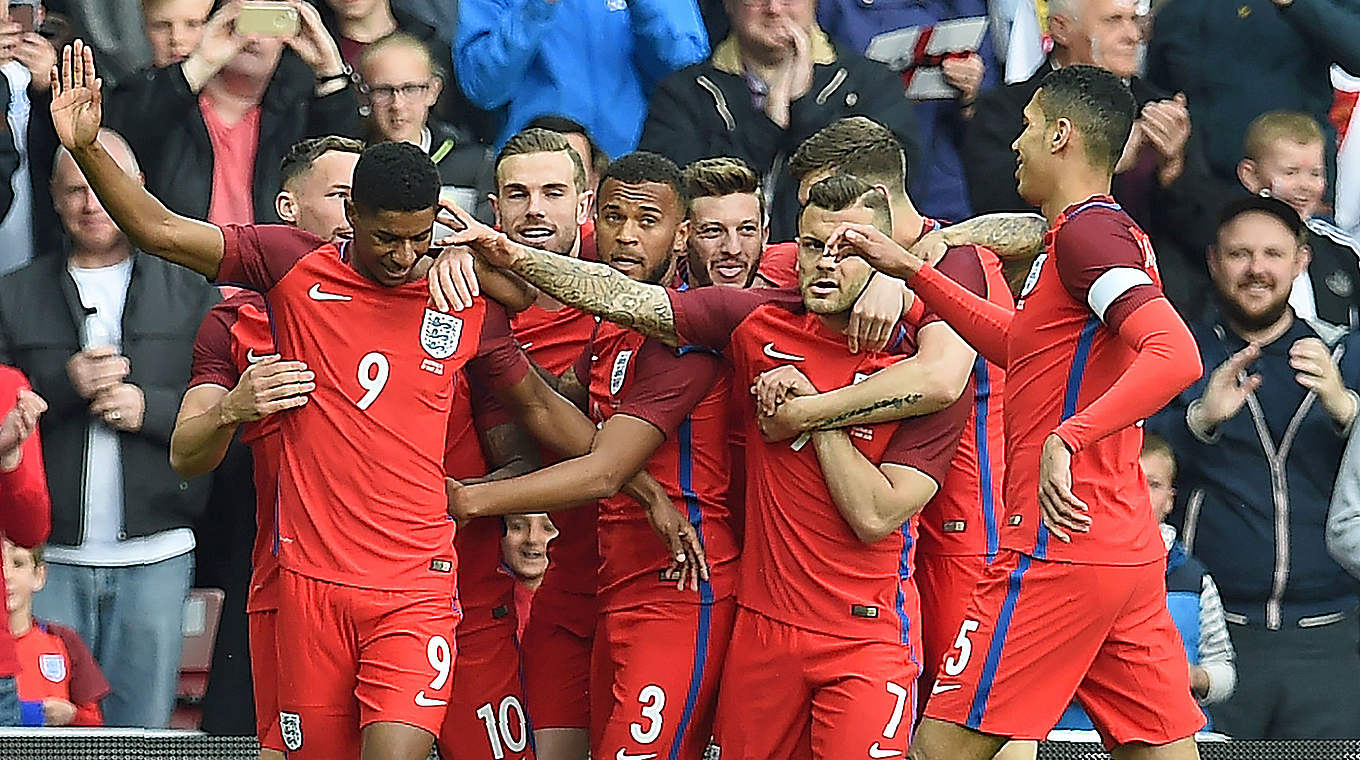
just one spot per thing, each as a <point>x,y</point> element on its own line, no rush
<point>1114,283</point>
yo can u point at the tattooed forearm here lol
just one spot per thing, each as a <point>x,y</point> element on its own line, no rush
<point>867,413</point>
<point>600,290</point>
<point>1012,236</point>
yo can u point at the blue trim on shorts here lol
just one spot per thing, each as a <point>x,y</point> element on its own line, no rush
<point>1003,624</point>
<point>684,436</point>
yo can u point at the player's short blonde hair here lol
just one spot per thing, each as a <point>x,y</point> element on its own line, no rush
<point>1270,127</point>
<point>725,175</point>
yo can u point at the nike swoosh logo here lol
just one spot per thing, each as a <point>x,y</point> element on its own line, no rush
<point>424,701</point>
<point>526,346</point>
<point>318,294</point>
<point>251,356</point>
<point>622,754</point>
<point>773,353</point>
<point>877,751</point>
<point>940,688</point>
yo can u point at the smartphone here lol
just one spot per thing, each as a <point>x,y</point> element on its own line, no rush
<point>25,14</point>
<point>262,18</point>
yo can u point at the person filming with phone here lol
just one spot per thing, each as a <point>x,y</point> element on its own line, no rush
<point>213,128</point>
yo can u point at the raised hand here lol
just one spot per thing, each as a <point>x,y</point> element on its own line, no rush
<point>1227,389</point>
<point>313,44</point>
<point>77,97</point>
<point>871,244</point>
<point>877,311</point>
<point>1316,371</point>
<point>486,243</point>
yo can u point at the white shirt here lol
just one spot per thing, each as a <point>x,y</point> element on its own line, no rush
<point>103,292</point>
<point>16,231</point>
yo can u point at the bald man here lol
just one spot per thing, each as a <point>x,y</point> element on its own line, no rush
<point>105,334</point>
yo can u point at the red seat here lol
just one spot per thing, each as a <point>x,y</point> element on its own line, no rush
<point>202,612</point>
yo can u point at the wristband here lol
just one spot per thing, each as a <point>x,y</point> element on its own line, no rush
<point>346,73</point>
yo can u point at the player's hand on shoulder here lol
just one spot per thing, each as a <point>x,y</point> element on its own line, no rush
<point>453,279</point>
<point>876,313</point>
<point>269,385</point>
<point>1228,388</point>
<point>1060,509</point>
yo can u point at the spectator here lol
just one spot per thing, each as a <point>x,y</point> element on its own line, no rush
<point>772,83</point>
<point>25,508</point>
<point>944,190</point>
<point>727,230</point>
<point>1191,596</point>
<point>1343,521</point>
<point>534,57</point>
<point>59,682</point>
<point>1235,62</point>
<point>26,74</point>
<point>1162,181</point>
<point>1258,473</point>
<point>1284,158</point>
<point>105,333</point>
<point>525,549</point>
<point>214,126</point>
<point>400,85</point>
<point>173,28</point>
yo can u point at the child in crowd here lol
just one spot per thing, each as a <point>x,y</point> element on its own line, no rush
<point>59,682</point>
<point>1191,596</point>
<point>524,547</point>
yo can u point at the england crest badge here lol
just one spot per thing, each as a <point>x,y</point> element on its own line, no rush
<point>290,726</point>
<point>440,334</point>
<point>619,371</point>
<point>52,667</point>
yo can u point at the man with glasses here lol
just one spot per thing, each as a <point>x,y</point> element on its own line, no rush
<point>401,84</point>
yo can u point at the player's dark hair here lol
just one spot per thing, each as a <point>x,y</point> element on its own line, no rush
<point>395,176</point>
<point>299,158</point>
<point>1155,444</point>
<point>1099,105</point>
<point>599,160</point>
<point>1281,211</point>
<point>725,175</point>
<point>854,145</point>
<point>536,140</point>
<point>643,166</point>
<point>842,191</point>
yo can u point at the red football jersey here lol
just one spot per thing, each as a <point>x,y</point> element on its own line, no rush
<point>685,396</point>
<point>1062,354</point>
<point>964,517</point>
<point>361,489</point>
<point>555,340</point>
<point>233,335</point>
<point>803,565</point>
<point>54,662</point>
<point>779,264</point>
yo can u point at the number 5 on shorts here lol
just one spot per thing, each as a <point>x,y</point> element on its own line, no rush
<point>952,666</point>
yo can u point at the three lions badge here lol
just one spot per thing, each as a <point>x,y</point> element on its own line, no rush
<point>290,726</point>
<point>440,334</point>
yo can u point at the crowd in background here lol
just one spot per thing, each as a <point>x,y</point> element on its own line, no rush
<point>1237,99</point>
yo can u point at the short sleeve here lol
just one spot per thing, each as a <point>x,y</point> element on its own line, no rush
<point>927,443</point>
<point>1104,261</point>
<point>962,264</point>
<point>257,256</point>
<point>213,363</point>
<point>87,684</point>
<point>500,362</point>
<point>668,385</point>
<point>708,316</point>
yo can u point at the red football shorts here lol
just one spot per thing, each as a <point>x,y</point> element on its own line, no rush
<point>789,693</point>
<point>1038,633</point>
<point>486,718</point>
<point>556,659</point>
<point>350,656</point>
<point>264,673</point>
<point>656,673</point>
<point>945,584</point>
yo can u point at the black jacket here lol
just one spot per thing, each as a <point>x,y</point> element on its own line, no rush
<point>702,112</point>
<point>40,320</point>
<point>1335,273</point>
<point>159,115</point>
<point>1179,219</point>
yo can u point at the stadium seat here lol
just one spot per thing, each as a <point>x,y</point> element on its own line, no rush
<point>202,611</point>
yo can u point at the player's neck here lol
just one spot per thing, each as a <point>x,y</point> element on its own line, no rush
<point>21,620</point>
<point>91,258</point>
<point>370,28</point>
<point>907,222</point>
<point>1265,335</point>
<point>1073,188</point>
<point>838,322</point>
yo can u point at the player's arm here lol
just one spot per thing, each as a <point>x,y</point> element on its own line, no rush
<point>1013,236</point>
<point>77,98</point>
<point>875,501</point>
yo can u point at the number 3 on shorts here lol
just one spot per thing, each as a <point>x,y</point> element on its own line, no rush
<point>952,666</point>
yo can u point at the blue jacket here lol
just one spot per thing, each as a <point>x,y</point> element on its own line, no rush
<point>940,126</point>
<point>1255,493</point>
<point>594,61</point>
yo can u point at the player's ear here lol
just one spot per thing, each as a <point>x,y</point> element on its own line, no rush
<point>285,206</point>
<point>39,576</point>
<point>1246,174</point>
<point>436,87</point>
<point>495,207</point>
<point>681,242</point>
<point>1062,134</point>
<point>583,206</point>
